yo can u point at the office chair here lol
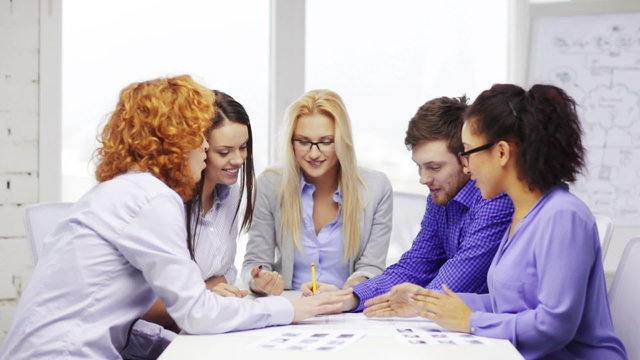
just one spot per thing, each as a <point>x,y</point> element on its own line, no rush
<point>624,298</point>
<point>40,220</point>
<point>408,210</point>
<point>605,231</point>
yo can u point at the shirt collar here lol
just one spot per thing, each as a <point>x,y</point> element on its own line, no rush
<point>467,195</point>
<point>543,199</point>
<point>307,186</point>
<point>222,192</point>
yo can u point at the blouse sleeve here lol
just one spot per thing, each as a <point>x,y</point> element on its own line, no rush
<point>476,302</point>
<point>372,262</point>
<point>261,245</point>
<point>560,293</point>
<point>231,274</point>
<point>154,243</point>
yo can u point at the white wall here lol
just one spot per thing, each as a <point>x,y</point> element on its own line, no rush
<point>19,111</point>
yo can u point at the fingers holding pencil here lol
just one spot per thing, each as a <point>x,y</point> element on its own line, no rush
<point>322,288</point>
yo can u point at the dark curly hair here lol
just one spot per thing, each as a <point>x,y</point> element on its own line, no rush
<point>543,125</point>
<point>438,119</point>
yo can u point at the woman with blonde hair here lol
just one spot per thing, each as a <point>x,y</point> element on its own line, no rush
<point>318,208</point>
<point>124,242</point>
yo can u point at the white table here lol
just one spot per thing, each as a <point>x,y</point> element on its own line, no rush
<point>379,342</point>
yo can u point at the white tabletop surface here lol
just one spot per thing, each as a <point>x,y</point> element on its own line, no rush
<point>379,342</point>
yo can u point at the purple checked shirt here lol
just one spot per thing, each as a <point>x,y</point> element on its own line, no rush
<point>455,246</point>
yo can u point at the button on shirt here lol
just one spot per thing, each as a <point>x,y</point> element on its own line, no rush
<point>325,249</point>
<point>455,246</point>
<point>215,247</point>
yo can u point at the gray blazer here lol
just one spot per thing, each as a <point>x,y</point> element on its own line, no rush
<point>268,248</point>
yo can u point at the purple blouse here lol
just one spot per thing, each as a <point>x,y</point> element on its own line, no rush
<point>547,291</point>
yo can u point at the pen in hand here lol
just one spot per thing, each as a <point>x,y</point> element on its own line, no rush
<point>314,284</point>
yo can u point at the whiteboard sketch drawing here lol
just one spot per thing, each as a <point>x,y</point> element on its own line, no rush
<point>596,59</point>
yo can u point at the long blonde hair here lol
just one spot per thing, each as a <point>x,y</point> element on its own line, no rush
<point>328,103</point>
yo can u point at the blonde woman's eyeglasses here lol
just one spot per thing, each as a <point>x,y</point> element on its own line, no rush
<point>306,145</point>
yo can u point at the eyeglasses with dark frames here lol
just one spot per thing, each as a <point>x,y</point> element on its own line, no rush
<point>323,146</point>
<point>464,156</point>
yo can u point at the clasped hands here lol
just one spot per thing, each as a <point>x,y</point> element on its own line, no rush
<point>266,282</point>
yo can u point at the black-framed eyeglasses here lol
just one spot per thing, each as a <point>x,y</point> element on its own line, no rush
<point>464,156</point>
<point>307,145</point>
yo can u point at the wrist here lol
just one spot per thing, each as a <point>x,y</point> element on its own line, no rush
<point>469,329</point>
<point>352,303</point>
<point>253,289</point>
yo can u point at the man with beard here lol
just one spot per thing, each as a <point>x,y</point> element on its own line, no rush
<point>460,231</point>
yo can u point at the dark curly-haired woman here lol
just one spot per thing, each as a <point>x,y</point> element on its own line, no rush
<point>547,292</point>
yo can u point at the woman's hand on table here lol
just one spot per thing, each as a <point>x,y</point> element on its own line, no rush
<point>266,282</point>
<point>326,303</point>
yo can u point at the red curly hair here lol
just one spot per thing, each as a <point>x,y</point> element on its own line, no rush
<point>154,126</point>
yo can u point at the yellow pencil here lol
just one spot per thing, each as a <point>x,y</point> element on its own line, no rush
<point>314,284</point>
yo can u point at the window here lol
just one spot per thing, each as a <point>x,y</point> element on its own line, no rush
<point>109,44</point>
<point>387,58</point>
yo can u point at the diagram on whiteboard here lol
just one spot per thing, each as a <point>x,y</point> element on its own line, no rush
<point>596,59</point>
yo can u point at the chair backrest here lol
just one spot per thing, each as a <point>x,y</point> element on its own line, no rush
<point>624,298</point>
<point>605,231</point>
<point>408,210</point>
<point>40,220</point>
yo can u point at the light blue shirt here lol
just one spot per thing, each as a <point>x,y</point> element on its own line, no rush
<point>547,292</point>
<point>123,245</point>
<point>215,247</point>
<point>325,249</point>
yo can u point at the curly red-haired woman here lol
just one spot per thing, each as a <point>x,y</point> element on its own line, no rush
<point>124,242</point>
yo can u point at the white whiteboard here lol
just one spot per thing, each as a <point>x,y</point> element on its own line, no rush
<point>596,59</point>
